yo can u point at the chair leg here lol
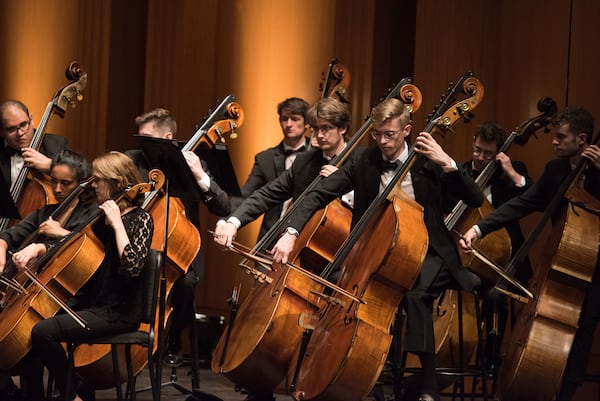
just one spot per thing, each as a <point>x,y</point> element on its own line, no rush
<point>70,370</point>
<point>130,375</point>
<point>480,357</point>
<point>116,372</point>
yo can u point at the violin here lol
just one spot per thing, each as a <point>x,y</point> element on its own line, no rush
<point>31,190</point>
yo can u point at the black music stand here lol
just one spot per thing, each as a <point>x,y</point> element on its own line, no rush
<point>9,209</point>
<point>166,155</point>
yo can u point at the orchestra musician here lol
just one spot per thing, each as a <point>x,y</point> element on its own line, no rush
<point>510,180</point>
<point>160,123</point>
<point>368,173</point>
<point>17,132</point>
<point>329,120</point>
<point>112,302</point>
<point>571,142</point>
<point>271,162</point>
<point>67,170</point>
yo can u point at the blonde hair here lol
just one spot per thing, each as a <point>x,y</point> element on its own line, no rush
<point>389,109</point>
<point>121,173</point>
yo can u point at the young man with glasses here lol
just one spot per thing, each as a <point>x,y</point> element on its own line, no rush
<point>509,180</point>
<point>329,120</point>
<point>433,184</point>
<point>16,133</point>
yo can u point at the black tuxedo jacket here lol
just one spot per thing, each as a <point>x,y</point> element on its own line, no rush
<point>289,184</point>
<point>51,146</point>
<point>539,195</point>
<point>268,165</point>
<point>434,190</point>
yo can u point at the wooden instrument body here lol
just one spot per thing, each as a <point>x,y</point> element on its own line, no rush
<point>543,333</point>
<point>348,347</point>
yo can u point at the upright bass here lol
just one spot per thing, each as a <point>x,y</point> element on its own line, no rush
<point>32,189</point>
<point>543,333</point>
<point>265,331</point>
<point>379,262</point>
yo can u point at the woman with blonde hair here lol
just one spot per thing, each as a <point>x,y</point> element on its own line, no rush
<point>110,302</point>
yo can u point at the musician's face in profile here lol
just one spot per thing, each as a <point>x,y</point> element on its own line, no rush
<point>102,188</point>
<point>150,129</point>
<point>64,181</point>
<point>292,125</point>
<point>391,137</point>
<point>17,127</point>
<point>567,143</point>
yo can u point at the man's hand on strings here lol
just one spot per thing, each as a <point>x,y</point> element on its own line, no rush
<point>328,169</point>
<point>193,161</point>
<point>34,159</point>
<point>467,240</point>
<point>225,233</point>
<point>427,146</point>
<point>283,248</point>
<point>592,153</point>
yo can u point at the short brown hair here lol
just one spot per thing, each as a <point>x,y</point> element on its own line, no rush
<point>162,118</point>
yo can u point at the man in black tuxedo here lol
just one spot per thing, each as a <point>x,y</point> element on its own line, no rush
<point>16,133</point>
<point>509,180</point>
<point>159,123</point>
<point>270,163</point>
<point>329,120</point>
<point>574,129</point>
<point>430,183</point>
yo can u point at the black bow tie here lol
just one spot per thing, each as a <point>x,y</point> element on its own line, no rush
<point>289,152</point>
<point>11,151</point>
<point>475,174</point>
<point>385,165</point>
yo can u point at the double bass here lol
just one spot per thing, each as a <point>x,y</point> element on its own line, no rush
<point>379,262</point>
<point>264,332</point>
<point>543,332</point>
<point>31,190</point>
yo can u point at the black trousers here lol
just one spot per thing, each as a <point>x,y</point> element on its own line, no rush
<point>47,335</point>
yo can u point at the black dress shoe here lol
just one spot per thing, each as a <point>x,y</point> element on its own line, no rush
<point>173,359</point>
<point>261,397</point>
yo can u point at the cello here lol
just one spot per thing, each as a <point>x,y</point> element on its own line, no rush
<point>64,269</point>
<point>544,330</point>
<point>379,262</point>
<point>31,190</point>
<point>181,240</point>
<point>262,335</point>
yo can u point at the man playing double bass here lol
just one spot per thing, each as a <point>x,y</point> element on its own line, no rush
<point>368,173</point>
<point>17,132</point>
<point>67,170</point>
<point>574,130</point>
<point>329,120</point>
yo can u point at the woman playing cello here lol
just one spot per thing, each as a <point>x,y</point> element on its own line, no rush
<point>112,296</point>
<point>572,142</point>
<point>68,169</point>
<point>429,185</point>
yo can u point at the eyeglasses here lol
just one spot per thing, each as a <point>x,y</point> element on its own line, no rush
<point>377,135</point>
<point>487,154</point>
<point>23,126</point>
<point>323,128</point>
